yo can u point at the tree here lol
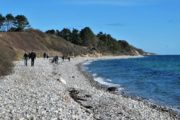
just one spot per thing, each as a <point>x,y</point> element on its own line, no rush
<point>57,33</point>
<point>100,34</point>
<point>51,31</point>
<point>2,20</point>
<point>21,22</point>
<point>75,37</point>
<point>10,20</point>
<point>123,43</point>
<point>88,37</point>
<point>66,34</point>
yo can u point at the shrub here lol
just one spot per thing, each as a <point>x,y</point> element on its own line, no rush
<point>7,56</point>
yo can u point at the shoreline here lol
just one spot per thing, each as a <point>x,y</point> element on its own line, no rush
<point>104,87</point>
<point>93,82</point>
<point>39,93</point>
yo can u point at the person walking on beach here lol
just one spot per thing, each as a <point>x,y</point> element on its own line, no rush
<point>55,59</point>
<point>25,58</point>
<point>47,56</point>
<point>44,55</point>
<point>32,56</point>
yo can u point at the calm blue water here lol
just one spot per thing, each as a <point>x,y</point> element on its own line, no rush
<point>155,78</point>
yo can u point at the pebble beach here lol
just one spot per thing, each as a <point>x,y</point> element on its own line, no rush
<point>63,92</point>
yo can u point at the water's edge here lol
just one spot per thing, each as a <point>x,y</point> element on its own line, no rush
<point>103,87</point>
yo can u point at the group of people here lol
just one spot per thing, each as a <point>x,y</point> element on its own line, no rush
<point>56,58</point>
<point>66,57</point>
<point>32,56</point>
<point>27,56</point>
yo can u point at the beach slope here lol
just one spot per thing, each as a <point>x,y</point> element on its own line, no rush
<point>50,91</point>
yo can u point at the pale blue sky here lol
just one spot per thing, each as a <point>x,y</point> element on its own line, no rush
<point>153,25</point>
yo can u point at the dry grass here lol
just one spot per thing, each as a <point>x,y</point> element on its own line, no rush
<point>59,44</point>
<point>14,44</point>
<point>39,41</point>
<point>7,56</point>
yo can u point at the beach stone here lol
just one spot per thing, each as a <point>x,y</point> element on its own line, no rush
<point>112,89</point>
<point>35,93</point>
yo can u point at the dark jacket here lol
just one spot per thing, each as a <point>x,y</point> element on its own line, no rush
<point>44,55</point>
<point>26,56</point>
<point>32,55</point>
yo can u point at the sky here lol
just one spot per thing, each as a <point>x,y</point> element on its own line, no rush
<point>152,25</point>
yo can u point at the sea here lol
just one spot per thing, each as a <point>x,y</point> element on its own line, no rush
<point>152,78</point>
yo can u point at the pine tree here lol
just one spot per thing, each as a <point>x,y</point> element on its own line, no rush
<point>10,20</point>
<point>88,37</point>
<point>2,20</point>
<point>21,22</point>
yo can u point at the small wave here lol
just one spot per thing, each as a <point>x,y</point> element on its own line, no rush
<point>94,75</point>
<point>85,64</point>
<point>88,62</point>
<point>109,80</point>
<point>103,81</point>
<point>120,89</point>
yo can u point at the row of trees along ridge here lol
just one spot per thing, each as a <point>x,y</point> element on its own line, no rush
<point>101,42</point>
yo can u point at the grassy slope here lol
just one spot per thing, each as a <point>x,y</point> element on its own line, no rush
<point>38,41</point>
<point>7,55</point>
<point>13,45</point>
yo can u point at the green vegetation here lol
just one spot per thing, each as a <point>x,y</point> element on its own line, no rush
<point>85,37</point>
<point>13,23</point>
<point>7,54</point>
<point>88,37</point>
<point>102,42</point>
<point>16,36</point>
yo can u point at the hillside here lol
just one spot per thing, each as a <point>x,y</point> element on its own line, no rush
<point>102,43</point>
<point>39,42</point>
<point>14,44</point>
